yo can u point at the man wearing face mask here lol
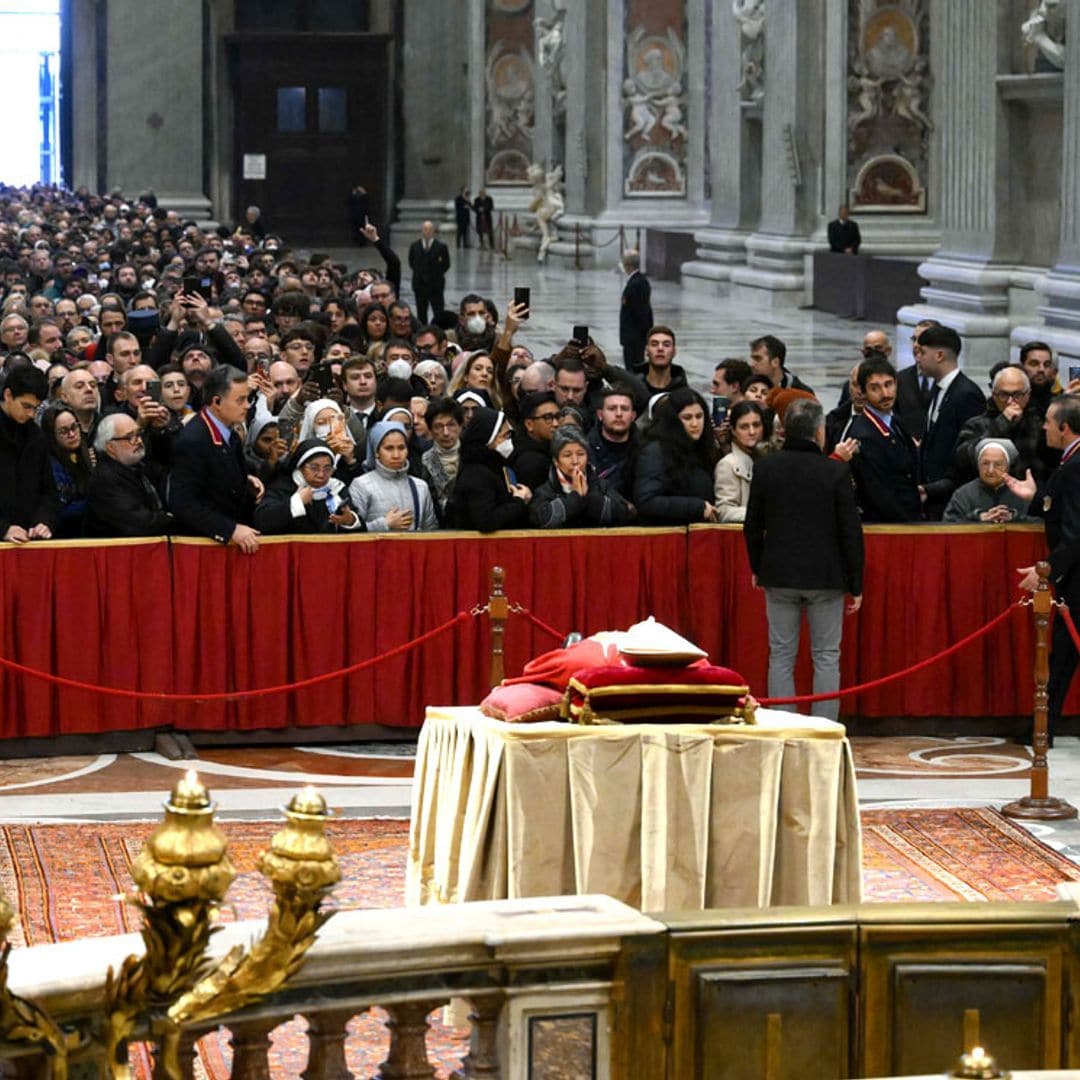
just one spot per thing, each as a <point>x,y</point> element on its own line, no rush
<point>476,328</point>
<point>121,500</point>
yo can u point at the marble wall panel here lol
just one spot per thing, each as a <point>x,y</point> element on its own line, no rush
<point>655,98</point>
<point>888,117</point>
<point>510,91</point>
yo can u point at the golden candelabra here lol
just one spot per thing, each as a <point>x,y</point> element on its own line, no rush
<point>183,873</point>
<point>977,1063</point>
<point>23,1022</point>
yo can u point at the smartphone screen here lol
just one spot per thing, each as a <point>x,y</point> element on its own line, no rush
<point>720,405</point>
<point>581,335</point>
<point>521,296</point>
<point>153,389</point>
<point>324,377</point>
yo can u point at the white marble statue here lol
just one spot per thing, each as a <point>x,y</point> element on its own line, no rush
<point>750,14</point>
<point>642,117</point>
<point>547,204</point>
<point>1045,29</point>
<point>550,50</point>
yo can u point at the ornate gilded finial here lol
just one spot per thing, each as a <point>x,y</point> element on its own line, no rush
<point>183,872</point>
<point>302,869</point>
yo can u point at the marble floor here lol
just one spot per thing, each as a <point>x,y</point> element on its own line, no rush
<point>375,780</point>
<point>821,348</point>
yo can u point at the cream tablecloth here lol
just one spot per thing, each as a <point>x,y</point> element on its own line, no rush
<point>662,817</point>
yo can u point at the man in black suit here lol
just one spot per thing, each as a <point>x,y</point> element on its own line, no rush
<point>913,388</point>
<point>429,259</point>
<point>210,490</point>
<point>1061,516</point>
<point>805,544</point>
<point>767,357</point>
<point>121,500</point>
<point>885,465</point>
<point>635,314</point>
<point>844,237</point>
<point>954,400</point>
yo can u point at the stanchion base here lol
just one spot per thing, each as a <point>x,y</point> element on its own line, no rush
<point>1048,809</point>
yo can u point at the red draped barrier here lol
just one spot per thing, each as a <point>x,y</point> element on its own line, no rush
<point>191,617</point>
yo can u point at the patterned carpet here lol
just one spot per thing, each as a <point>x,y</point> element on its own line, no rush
<point>66,878</point>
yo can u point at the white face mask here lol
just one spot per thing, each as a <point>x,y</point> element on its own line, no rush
<point>322,430</point>
<point>475,324</point>
<point>504,448</point>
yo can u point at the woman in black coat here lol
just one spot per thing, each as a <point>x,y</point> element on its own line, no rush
<point>486,494</point>
<point>673,478</point>
<point>308,498</point>
<point>573,496</point>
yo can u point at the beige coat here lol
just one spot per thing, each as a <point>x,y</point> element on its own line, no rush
<point>731,483</point>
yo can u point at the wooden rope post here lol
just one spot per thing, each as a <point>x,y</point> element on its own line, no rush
<point>1040,805</point>
<point>498,609</point>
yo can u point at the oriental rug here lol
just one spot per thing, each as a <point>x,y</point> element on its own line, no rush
<point>65,879</point>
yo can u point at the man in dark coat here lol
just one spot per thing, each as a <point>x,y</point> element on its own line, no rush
<point>635,314</point>
<point>121,500</point>
<point>28,500</point>
<point>1061,516</point>
<point>884,468</point>
<point>844,236</point>
<point>429,259</point>
<point>805,545</point>
<point>211,493</point>
<point>954,400</point>
<point>531,460</point>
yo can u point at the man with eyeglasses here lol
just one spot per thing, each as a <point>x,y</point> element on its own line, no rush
<point>1010,414</point>
<point>28,501</point>
<point>121,499</point>
<point>531,459</point>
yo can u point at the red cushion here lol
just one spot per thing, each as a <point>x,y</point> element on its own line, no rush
<point>555,668</point>
<point>662,694</point>
<point>522,703</point>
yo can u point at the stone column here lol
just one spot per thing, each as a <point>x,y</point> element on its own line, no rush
<point>84,96</point>
<point>967,291</point>
<point>792,145</point>
<point>1060,288</point>
<point>153,113</point>
<point>735,149</point>
<point>437,157</point>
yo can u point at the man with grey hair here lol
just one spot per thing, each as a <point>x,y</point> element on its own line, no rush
<point>14,332</point>
<point>804,540</point>
<point>79,392</point>
<point>1010,414</point>
<point>635,312</point>
<point>121,500</point>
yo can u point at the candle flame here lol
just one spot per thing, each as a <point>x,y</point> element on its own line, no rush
<point>191,777</point>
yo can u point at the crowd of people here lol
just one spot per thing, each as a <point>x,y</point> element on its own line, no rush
<point>159,377</point>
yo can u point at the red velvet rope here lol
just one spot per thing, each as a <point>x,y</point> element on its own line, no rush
<point>885,679</point>
<point>236,695</point>
<point>538,622</point>
<point>1066,614</point>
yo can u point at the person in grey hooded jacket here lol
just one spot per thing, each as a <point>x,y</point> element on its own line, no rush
<point>386,497</point>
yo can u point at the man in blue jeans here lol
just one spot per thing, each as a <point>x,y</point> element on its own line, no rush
<point>804,539</point>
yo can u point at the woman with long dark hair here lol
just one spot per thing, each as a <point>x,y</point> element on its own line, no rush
<point>71,464</point>
<point>673,479</point>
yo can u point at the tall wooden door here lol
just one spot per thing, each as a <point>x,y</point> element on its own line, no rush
<point>311,123</point>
